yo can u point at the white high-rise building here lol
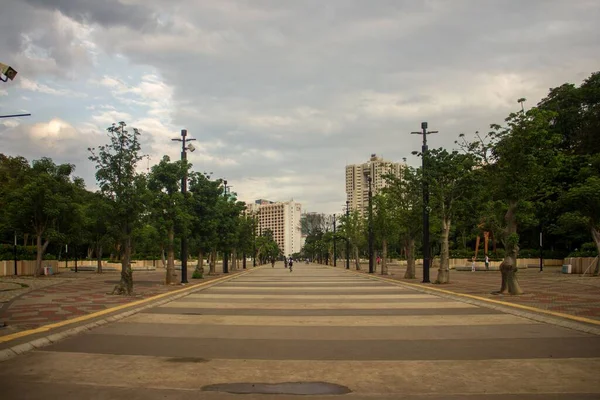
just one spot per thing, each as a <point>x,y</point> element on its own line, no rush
<point>357,185</point>
<point>283,219</point>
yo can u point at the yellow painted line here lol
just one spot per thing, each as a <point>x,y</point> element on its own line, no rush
<point>470,296</point>
<point>46,328</point>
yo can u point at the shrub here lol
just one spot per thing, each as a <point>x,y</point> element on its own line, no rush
<point>198,274</point>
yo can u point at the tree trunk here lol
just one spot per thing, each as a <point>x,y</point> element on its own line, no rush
<point>199,271</point>
<point>125,286</point>
<point>99,257</point>
<point>410,259</point>
<point>444,269</point>
<point>170,257</point>
<point>213,262</point>
<point>162,256</point>
<point>508,267</point>
<point>234,260</point>
<point>596,236</point>
<point>384,267</point>
<point>41,249</point>
<point>357,258</point>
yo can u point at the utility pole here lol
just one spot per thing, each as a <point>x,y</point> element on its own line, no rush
<point>184,250</point>
<point>334,247</point>
<point>371,263</point>
<point>347,238</point>
<point>426,255</point>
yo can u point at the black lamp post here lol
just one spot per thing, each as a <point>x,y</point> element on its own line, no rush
<point>424,148</point>
<point>334,246</point>
<point>347,238</point>
<point>184,250</point>
<point>371,263</point>
<point>254,241</point>
<point>225,252</point>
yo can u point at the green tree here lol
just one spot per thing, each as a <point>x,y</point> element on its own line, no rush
<point>385,224</point>
<point>353,229</point>
<point>518,160</point>
<point>450,180</point>
<point>406,195</point>
<point>205,195</point>
<point>124,187</point>
<point>584,201</point>
<point>45,198</point>
<point>167,207</point>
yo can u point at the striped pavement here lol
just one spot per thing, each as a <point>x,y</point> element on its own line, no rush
<point>316,324</point>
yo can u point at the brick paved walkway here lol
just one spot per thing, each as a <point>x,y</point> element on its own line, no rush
<point>549,290</point>
<point>68,295</point>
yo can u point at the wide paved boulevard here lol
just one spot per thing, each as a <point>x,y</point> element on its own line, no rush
<point>315,326</point>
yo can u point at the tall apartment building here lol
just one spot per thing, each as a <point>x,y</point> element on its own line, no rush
<point>357,185</point>
<point>283,219</point>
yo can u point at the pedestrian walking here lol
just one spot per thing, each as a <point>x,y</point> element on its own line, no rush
<point>272,262</point>
<point>487,263</point>
<point>291,264</point>
<point>473,264</point>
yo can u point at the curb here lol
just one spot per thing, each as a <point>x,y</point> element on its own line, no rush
<point>163,298</point>
<point>581,324</point>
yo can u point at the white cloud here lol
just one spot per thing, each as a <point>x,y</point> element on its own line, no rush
<point>55,129</point>
<point>10,123</point>
<point>105,118</point>
<point>33,86</point>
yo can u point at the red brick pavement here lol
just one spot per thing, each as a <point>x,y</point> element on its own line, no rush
<point>88,293</point>
<point>548,290</point>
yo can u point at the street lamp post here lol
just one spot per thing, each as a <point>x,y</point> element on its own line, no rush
<point>371,263</point>
<point>184,250</point>
<point>226,251</point>
<point>254,241</point>
<point>347,238</point>
<point>424,148</point>
<point>334,246</point>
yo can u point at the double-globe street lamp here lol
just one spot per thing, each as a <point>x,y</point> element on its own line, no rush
<point>184,148</point>
<point>424,148</point>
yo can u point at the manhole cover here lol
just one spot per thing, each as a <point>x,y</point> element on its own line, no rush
<point>297,388</point>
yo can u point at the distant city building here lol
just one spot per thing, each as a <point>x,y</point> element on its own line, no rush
<point>357,185</point>
<point>283,219</point>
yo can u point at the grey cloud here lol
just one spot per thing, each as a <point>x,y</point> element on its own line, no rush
<point>105,12</point>
<point>65,148</point>
<point>242,72</point>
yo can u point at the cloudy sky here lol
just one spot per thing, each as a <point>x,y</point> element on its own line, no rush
<point>280,95</point>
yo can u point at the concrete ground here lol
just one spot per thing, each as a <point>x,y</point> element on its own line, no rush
<point>316,324</point>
